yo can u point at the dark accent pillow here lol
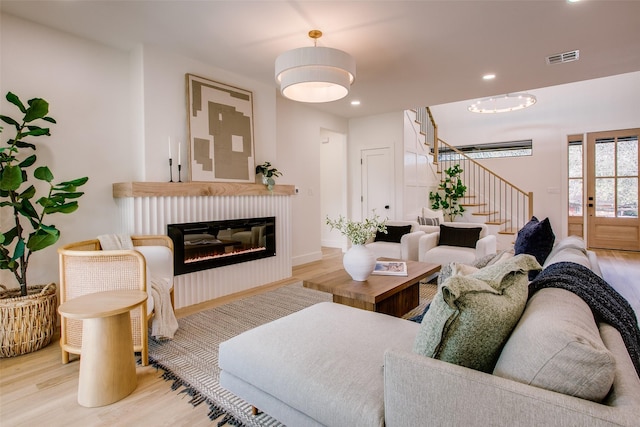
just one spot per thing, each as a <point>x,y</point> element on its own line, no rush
<point>466,237</point>
<point>394,233</point>
<point>535,238</point>
<point>428,221</point>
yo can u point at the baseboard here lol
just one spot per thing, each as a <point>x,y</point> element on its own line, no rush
<point>306,258</point>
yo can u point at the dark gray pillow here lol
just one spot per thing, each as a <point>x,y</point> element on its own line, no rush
<point>459,236</point>
<point>394,233</point>
<point>535,238</point>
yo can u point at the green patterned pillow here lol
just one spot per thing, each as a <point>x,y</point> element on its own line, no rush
<point>471,317</point>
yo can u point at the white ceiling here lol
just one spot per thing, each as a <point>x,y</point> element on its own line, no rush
<point>408,53</point>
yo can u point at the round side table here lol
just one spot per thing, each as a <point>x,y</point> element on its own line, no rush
<point>107,365</point>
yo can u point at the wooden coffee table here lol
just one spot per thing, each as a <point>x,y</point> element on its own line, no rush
<point>394,295</point>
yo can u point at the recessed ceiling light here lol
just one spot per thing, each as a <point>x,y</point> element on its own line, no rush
<point>489,77</point>
<point>355,102</point>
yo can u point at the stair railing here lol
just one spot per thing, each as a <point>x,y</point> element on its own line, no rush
<point>498,200</point>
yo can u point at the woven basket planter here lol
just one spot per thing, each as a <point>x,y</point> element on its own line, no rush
<point>27,323</point>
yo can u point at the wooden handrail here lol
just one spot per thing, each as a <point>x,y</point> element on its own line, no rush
<point>452,148</point>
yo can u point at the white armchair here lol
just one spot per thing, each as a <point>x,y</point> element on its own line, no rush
<point>407,246</point>
<point>458,244</point>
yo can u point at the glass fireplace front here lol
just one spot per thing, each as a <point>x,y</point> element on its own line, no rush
<point>209,244</point>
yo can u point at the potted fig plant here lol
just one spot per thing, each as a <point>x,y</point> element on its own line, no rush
<point>451,190</point>
<point>28,313</point>
<point>268,174</point>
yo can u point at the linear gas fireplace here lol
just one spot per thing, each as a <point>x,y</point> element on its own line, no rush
<point>209,244</point>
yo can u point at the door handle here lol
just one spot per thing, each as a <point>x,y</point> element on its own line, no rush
<point>386,206</point>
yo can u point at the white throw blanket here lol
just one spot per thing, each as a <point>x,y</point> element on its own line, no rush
<point>164,324</point>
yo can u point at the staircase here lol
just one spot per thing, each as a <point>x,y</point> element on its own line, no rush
<point>490,198</point>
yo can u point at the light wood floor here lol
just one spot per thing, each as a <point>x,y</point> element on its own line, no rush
<point>37,389</point>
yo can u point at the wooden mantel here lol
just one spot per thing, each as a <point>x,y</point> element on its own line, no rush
<point>169,189</point>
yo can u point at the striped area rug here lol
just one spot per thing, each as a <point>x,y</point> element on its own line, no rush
<point>190,360</point>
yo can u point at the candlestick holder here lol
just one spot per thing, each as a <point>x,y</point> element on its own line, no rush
<point>179,172</point>
<point>170,169</point>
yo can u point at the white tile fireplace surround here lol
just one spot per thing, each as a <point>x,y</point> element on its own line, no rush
<point>147,208</point>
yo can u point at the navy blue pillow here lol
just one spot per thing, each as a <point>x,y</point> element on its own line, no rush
<point>394,233</point>
<point>535,238</point>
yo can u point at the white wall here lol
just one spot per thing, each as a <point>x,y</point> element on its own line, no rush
<point>115,110</point>
<point>379,131</point>
<point>299,130</point>
<point>88,88</point>
<point>595,105</point>
<point>333,185</point>
<point>165,110</point>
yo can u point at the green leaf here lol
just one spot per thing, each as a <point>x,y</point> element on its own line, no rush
<point>26,209</point>
<point>28,193</point>
<point>49,119</point>
<point>65,208</point>
<point>22,144</point>
<point>12,98</point>
<point>28,161</point>
<point>76,182</point>
<point>43,173</point>
<point>68,195</point>
<point>51,229</point>
<point>36,131</point>
<point>38,108</point>
<point>11,178</point>
<point>10,121</point>
<point>10,235</point>
<point>41,239</point>
<point>19,250</point>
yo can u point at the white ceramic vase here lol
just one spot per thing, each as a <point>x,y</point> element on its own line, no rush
<point>359,262</point>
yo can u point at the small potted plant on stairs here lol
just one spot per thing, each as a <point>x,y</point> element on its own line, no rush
<point>451,190</point>
<point>268,174</point>
<point>28,313</point>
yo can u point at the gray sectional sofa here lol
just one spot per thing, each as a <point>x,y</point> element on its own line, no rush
<point>335,365</point>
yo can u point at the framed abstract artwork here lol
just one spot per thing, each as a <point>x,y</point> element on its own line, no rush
<point>220,120</point>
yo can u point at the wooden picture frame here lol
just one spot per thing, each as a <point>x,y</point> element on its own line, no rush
<point>220,121</point>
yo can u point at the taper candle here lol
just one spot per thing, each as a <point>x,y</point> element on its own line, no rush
<point>179,144</point>
<point>169,138</point>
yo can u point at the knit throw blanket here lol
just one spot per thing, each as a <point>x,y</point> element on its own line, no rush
<point>605,302</point>
<point>164,323</point>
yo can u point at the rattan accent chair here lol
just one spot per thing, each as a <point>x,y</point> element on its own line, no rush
<point>85,268</point>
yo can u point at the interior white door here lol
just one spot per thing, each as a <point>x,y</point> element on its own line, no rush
<point>377,183</point>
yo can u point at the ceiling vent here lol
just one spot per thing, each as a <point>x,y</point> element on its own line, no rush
<point>560,58</point>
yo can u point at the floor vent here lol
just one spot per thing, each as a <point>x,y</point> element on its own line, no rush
<point>560,58</point>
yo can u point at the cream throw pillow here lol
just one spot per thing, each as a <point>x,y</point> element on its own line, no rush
<point>471,316</point>
<point>557,346</point>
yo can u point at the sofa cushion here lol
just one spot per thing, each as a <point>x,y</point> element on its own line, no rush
<point>535,238</point>
<point>394,233</point>
<point>557,346</point>
<point>325,361</point>
<point>569,249</point>
<point>466,237</point>
<point>472,316</point>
